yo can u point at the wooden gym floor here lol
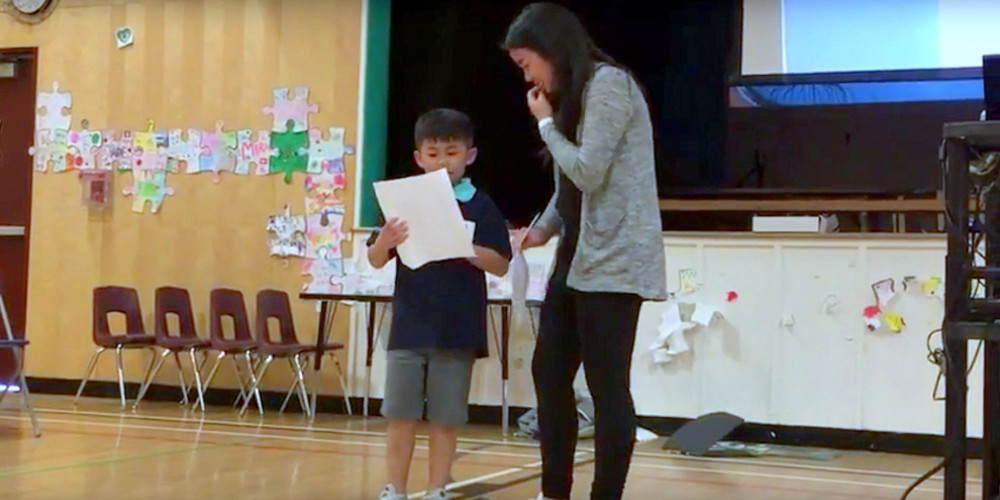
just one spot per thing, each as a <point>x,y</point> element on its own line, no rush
<point>163,452</point>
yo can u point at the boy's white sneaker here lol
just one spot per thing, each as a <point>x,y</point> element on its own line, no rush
<point>389,493</point>
<point>438,494</point>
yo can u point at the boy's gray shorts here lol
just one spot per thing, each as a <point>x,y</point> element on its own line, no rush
<point>441,376</point>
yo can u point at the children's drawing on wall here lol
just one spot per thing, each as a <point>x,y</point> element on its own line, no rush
<point>289,238</point>
<point>289,146</point>
<point>148,185</point>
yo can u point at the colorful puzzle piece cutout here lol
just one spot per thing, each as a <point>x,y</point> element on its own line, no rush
<point>324,276</point>
<point>116,151</point>
<point>218,151</point>
<point>146,154</point>
<point>46,150</point>
<point>322,190</point>
<point>49,109</point>
<point>290,153</point>
<point>58,145</point>
<point>324,232</point>
<point>85,146</point>
<point>250,151</point>
<point>148,185</point>
<point>292,109</point>
<point>183,152</point>
<point>289,238</point>
<point>322,152</point>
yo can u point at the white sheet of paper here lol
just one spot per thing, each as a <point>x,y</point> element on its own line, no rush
<point>661,356</point>
<point>703,314</point>
<point>676,343</point>
<point>670,322</point>
<point>427,204</point>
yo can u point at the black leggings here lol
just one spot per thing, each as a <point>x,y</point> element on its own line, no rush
<point>599,330</point>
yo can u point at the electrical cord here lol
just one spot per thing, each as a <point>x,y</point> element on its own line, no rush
<point>927,475</point>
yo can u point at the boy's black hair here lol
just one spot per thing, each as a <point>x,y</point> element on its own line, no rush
<point>443,124</point>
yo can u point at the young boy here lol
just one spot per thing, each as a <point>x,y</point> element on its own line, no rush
<point>439,312</point>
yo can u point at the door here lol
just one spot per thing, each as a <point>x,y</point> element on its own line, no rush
<point>17,125</point>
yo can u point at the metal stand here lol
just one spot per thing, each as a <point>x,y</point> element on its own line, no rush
<point>973,218</point>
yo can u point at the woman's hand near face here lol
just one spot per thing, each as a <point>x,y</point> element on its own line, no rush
<point>539,104</point>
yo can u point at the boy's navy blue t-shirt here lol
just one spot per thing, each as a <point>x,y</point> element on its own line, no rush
<point>442,305</point>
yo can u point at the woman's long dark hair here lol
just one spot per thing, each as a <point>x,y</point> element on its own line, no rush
<point>557,35</point>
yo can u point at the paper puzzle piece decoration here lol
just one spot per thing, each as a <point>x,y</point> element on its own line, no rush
<point>322,189</point>
<point>218,151</point>
<point>58,146</point>
<point>289,153</point>
<point>359,278</point>
<point>688,280</point>
<point>325,278</point>
<point>263,152</point>
<point>49,109</point>
<point>731,296</point>
<point>85,146</point>
<point>183,153</point>
<point>162,140</point>
<point>322,152</point>
<point>895,322</point>
<point>931,285</point>
<point>146,155</point>
<point>324,233</point>
<point>116,151</point>
<point>250,151</point>
<point>148,185</point>
<point>289,238</point>
<point>290,113</point>
<point>871,315</point>
<point>884,291</point>
<point>41,152</point>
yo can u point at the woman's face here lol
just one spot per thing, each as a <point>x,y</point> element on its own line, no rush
<point>537,70</point>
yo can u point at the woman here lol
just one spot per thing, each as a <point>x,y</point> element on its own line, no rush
<point>595,122</point>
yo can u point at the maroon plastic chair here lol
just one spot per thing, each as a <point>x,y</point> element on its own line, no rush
<point>116,299</point>
<point>275,304</point>
<point>176,301</point>
<point>228,303</point>
<point>17,346</point>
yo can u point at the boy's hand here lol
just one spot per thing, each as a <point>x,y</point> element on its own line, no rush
<point>393,234</point>
<point>490,261</point>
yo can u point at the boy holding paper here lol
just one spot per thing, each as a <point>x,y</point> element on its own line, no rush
<point>439,312</point>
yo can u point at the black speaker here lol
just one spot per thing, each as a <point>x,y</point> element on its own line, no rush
<point>991,86</point>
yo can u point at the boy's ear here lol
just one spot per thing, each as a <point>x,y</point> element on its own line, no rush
<point>471,156</point>
<point>416,157</point>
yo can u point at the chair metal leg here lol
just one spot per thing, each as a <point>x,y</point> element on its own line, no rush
<point>288,397</point>
<point>240,380</point>
<point>212,371</point>
<point>343,383</point>
<point>121,374</point>
<point>255,382</point>
<point>303,394</point>
<point>157,365</point>
<point>149,370</point>
<point>197,378</point>
<point>25,393</point>
<point>317,383</point>
<point>90,370</point>
<point>180,375</point>
<point>256,392</point>
<point>6,389</point>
